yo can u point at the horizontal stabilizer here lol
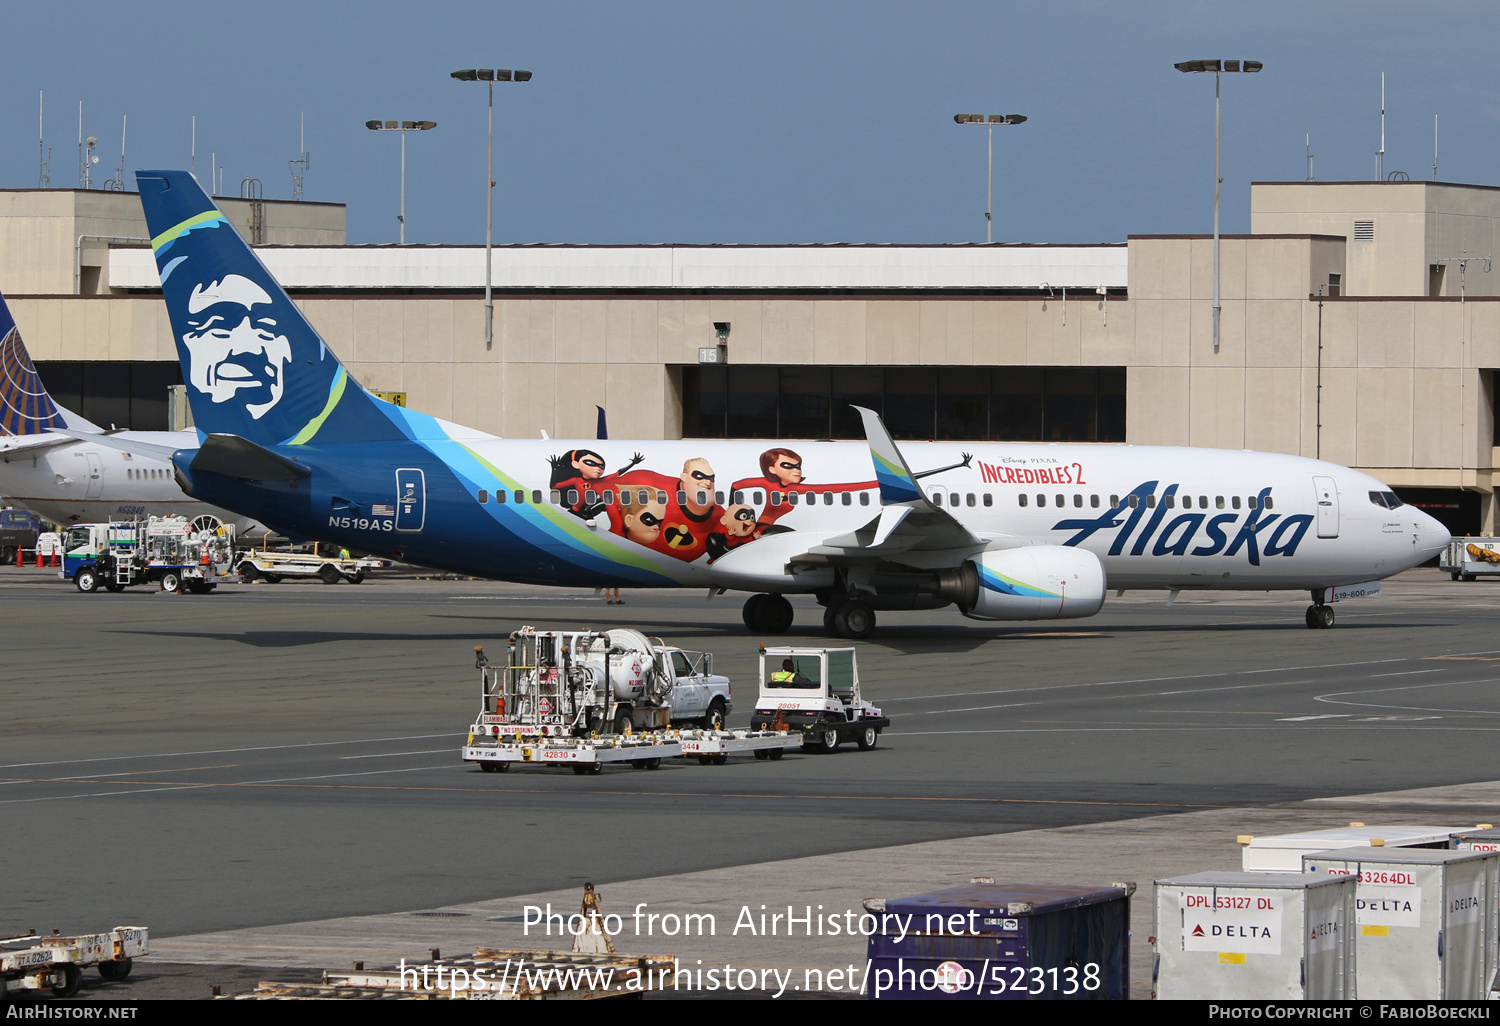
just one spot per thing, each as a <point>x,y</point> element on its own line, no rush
<point>234,456</point>
<point>112,440</point>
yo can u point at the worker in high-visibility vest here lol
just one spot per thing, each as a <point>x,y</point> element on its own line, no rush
<point>788,677</point>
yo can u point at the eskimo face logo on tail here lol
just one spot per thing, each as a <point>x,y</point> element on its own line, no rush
<point>235,350</point>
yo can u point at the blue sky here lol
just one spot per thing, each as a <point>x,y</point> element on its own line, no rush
<point>770,122</point>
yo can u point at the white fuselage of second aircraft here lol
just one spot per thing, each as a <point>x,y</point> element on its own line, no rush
<point>78,482</point>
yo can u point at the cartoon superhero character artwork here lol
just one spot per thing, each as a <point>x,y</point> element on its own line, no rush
<point>736,527</point>
<point>690,513</point>
<point>784,484</point>
<point>582,471</point>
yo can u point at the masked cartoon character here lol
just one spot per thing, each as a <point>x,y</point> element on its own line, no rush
<point>781,473</point>
<point>641,522</point>
<point>583,471</point>
<point>736,527</point>
<point>235,350</point>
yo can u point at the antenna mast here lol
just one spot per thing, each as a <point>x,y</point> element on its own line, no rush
<point>1309,157</point>
<point>1434,148</point>
<point>193,148</point>
<point>43,178</point>
<point>1380,153</point>
<point>302,163</point>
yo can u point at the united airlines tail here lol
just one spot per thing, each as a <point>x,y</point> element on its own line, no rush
<point>254,366</point>
<point>25,407</point>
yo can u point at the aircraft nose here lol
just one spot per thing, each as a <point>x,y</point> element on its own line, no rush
<point>1432,536</point>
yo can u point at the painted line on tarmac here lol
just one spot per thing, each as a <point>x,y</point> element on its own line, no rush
<point>397,755</point>
<point>772,796</point>
<point>227,751</point>
<point>283,781</point>
<point>1332,697</point>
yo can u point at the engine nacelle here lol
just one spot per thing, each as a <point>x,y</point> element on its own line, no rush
<point>1032,582</point>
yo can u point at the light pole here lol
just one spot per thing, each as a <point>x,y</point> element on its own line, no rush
<point>403,127</point>
<point>991,122</point>
<point>490,77</point>
<point>1218,68</point>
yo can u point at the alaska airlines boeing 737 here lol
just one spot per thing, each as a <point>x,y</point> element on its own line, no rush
<point>1002,531</point>
<point>70,478</point>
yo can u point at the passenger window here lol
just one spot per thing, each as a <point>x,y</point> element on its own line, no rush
<point>1151,501</point>
<point>739,498</point>
<point>1234,501</point>
<point>1269,503</point>
<point>554,496</point>
<point>1218,502</point>
<point>1203,502</point>
<point>1093,502</point>
<point>1041,500</point>
<point>989,500</point>
<point>864,498</point>
<point>1170,500</point>
<point>703,498</point>
<point>499,496</point>
<point>1078,501</point>
<point>1061,500</point>
<point>969,499</point>
<point>848,499</point>
<point>1253,502</point>
<point>757,498</point>
<point>1022,498</point>
<point>520,497</point>
<point>536,496</point>
<point>828,498</point>
<point>1135,500</point>
<point>719,498</point>
<point>1187,502</point>
<point>681,497</point>
<point>661,497</point>
<point>590,496</point>
<point>484,497</point>
<point>608,497</point>
<point>572,496</point>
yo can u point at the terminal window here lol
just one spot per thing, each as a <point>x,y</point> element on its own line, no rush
<point>1014,404</point>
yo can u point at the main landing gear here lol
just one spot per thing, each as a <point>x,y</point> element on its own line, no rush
<point>849,618</point>
<point>768,614</point>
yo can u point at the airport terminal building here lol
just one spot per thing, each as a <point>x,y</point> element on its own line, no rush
<point>1361,324</point>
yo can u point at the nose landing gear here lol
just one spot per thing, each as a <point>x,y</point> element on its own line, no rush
<point>1319,616</point>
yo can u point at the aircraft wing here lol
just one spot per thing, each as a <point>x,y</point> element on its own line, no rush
<point>908,520</point>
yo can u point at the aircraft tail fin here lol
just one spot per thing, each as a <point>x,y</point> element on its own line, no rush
<point>253,364</point>
<point>25,406</point>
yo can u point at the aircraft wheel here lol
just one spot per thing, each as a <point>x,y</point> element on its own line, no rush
<point>776,614</point>
<point>1325,617</point>
<point>751,612</point>
<point>854,619</point>
<point>866,739</point>
<point>830,618</point>
<point>1312,618</point>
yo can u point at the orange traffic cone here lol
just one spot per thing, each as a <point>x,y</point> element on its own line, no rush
<point>20,557</point>
<point>40,559</point>
<point>55,561</point>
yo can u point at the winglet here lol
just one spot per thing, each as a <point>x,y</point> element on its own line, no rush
<point>895,478</point>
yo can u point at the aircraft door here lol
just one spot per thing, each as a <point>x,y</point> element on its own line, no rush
<point>96,476</point>
<point>1327,494</point>
<point>411,499</point>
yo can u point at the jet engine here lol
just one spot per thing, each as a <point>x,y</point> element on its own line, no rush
<point>1032,582</point>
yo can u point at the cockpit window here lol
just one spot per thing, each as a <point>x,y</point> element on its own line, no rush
<point>1386,500</point>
